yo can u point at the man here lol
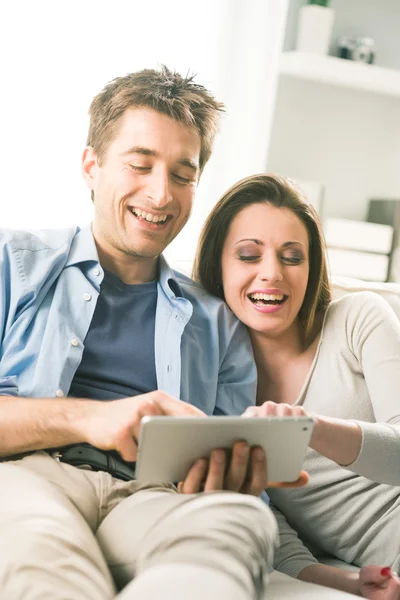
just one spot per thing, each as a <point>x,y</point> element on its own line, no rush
<point>93,321</point>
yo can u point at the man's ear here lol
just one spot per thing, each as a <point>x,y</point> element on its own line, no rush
<point>89,167</point>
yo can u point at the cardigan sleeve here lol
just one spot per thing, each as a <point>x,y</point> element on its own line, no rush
<point>373,332</point>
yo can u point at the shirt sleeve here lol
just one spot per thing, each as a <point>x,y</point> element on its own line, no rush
<point>237,379</point>
<point>375,341</point>
<point>10,270</point>
<point>292,556</point>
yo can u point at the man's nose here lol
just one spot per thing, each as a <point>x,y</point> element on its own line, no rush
<point>159,189</point>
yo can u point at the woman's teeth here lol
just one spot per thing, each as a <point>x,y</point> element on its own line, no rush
<point>275,298</point>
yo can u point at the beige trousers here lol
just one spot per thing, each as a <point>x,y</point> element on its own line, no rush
<point>72,534</point>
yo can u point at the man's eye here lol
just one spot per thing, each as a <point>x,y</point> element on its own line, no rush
<point>247,258</point>
<point>139,168</point>
<point>181,179</point>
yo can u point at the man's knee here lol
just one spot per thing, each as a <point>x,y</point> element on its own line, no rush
<point>239,525</point>
<point>241,518</point>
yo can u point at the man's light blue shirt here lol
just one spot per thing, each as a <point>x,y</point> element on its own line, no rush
<point>49,285</point>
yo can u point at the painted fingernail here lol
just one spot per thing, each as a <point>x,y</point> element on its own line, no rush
<point>386,571</point>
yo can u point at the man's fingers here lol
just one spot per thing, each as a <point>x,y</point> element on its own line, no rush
<point>175,408</point>
<point>258,473</point>
<point>128,448</point>
<point>216,471</point>
<point>195,478</point>
<point>237,472</point>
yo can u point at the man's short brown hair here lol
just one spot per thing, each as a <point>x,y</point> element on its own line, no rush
<point>162,90</point>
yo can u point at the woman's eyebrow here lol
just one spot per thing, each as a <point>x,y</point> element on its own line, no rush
<point>258,242</point>
<point>291,243</point>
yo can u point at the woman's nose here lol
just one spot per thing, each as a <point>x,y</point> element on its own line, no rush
<point>271,271</point>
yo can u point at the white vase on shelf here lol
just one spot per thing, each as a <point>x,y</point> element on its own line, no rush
<point>315,28</point>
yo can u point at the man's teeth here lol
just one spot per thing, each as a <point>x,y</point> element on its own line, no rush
<point>267,297</point>
<point>149,217</point>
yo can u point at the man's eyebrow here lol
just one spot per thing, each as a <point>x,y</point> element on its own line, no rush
<point>139,150</point>
<point>185,162</point>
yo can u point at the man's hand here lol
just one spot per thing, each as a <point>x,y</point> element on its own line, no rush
<point>246,472</point>
<point>115,425</point>
<point>377,583</point>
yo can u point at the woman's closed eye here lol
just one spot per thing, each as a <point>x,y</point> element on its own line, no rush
<point>248,257</point>
<point>293,259</point>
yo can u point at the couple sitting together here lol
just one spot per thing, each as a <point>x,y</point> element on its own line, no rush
<point>97,331</point>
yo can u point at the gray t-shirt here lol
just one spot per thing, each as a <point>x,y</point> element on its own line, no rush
<point>118,360</point>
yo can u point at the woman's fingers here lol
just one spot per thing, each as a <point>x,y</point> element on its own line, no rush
<point>379,583</point>
<point>272,409</point>
<point>393,589</point>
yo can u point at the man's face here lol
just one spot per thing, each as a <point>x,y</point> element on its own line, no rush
<point>145,185</point>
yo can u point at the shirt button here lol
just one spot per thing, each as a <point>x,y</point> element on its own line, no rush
<point>96,272</point>
<point>87,297</point>
<point>74,342</point>
<point>59,393</point>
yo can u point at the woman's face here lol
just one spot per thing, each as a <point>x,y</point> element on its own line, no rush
<point>265,267</point>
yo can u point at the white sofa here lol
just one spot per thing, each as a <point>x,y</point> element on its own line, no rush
<point>282,586</point>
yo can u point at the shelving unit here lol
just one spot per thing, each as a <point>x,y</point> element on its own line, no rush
<point>340,72</point>
<point>337,125</point>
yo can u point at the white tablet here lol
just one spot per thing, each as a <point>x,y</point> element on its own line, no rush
<point>168,446</point>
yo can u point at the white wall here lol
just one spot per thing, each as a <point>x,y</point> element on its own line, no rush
<point>348,140</point>
<point>56,56</point>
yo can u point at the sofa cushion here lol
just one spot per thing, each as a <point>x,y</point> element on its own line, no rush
<point>388,291</point>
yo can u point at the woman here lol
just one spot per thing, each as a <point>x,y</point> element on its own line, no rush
<point>262,250</point>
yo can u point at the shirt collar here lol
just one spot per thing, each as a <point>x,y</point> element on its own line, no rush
<point>168,281</point>
<point>83,247</point>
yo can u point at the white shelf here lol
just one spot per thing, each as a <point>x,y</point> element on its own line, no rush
<point>340,72</point>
